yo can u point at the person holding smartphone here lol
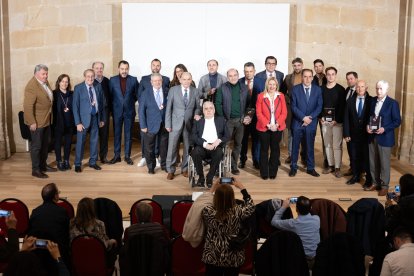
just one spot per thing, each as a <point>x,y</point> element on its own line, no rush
<point>11,247</point>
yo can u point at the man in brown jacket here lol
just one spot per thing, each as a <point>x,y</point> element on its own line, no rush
<point>37,107</point>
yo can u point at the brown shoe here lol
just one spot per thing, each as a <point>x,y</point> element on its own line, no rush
<point>185,173</point>
<point>383,192</point>
<point>39,174</point>
<point>328,169</point>
<point>338,173</point>
<point>373,187</point>
<point>170,176</point>
<point>288,160</point>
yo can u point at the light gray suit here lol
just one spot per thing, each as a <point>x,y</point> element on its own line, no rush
<point>179,118</point>
<point>204,84</point>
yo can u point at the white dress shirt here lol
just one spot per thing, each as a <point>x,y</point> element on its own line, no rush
<point>378,106</point>
<point>209,132</point>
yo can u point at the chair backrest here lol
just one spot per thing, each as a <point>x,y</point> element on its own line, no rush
<point>68,207</point>
<point>89,256</point>
<point>21,213</point>
<point>186,260</point>
<point>157,213</point>
<point>332,216</point>
<point>179,213</point>
<point>249,253</point>
<point>109,212</point>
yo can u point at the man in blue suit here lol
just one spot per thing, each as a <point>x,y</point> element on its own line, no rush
<point>381,140</point>
<point>145,84</point>
<point>151,110</point>
<point>270,64</point>
<point>123,90</point>
<point>88,106</point>
<point>306,106</point>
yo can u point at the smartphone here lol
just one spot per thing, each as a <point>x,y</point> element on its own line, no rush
<point>5,213</point>
<point>226,180</point>
<point>293,200</point>
<point>391,195</point>
<point>397,189</point>
<point>41,243</point>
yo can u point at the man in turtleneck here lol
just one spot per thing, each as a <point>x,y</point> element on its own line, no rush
<point>209,83</point>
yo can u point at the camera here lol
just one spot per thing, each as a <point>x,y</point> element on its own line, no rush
<point>5,213</point>
<point>391,195</point>
<point>226,180</point>
<point>41,243</point>
<point>293,200</point>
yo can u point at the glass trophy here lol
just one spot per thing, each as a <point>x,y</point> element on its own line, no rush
<point>329,114</point>
<point>374,123</point>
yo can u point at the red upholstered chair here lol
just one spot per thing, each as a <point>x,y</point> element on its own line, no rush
<point>68,207</point>
<point>21,212</point>
<point>249,253</point>
<point>157,214</point>
<point>186,260</point>
<point>178,215</point>
<point>89,257</point>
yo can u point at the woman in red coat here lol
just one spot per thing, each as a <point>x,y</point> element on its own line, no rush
<point>271,116</point>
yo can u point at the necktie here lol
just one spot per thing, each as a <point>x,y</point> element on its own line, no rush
<point>248,87</point>
<point>185,97</point>
<point>270,75</point>
<point>158,98</point>
<point>350,93</point>
<point>93,109</point>
<point>360,106</point>
<point>307,94</point>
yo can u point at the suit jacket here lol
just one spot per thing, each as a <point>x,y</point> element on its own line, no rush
<point>354,126</point>
<point>263,112</point>
<point>204,83</point>
<point>145,84</point>
<point>123,105</point>
<point>222,131</point>
<point>279,76</point>
<point>177,114</point>
<point>82,105</point>
<point>105,90</point>
<point>258,87</point>
<point>37,105</point>
<point>391,119</point>
<point>150,115</point>
<point>300,108</point>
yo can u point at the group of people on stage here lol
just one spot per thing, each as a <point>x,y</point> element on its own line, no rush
<point>220,109</point>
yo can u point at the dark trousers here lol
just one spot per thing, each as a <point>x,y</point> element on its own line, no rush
<point>325,159</point>
<point>199,154</point>
<point>127,123</point>
<point>308,135</point>
<point>150,142</point>
<point>250,130</point>
<point>39,148</point>
<point>360,159</point>
<point>348,148</point>
<point>212,270</point>
<point>103,137</point>
<point>269,139</point>
<point>236,129</point>
<point>66,134</point>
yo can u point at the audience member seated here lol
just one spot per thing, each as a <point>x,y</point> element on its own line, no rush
<point>85,222</point>
<point>11,247</point>
<point>400,262</point>
<point>223,223</point>
<point>305,225</point>
<point>50,222</point>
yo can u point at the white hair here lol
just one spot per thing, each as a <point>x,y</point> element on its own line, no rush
<point>384,85</point>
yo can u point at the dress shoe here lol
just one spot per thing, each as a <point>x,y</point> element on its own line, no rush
<point>313,173</point>
<point>170,176</point>
<point>353,180</point>
<point>328,170</point>
<point>373,187</point>
<point>96,167</point>
<point>288,160</point>
<point>292,172</point>
<point>272,177</point>
<point>104,161</point>
<point>367,184</point>
<point>242,165</point>
<point>235,172</point>
<point>115,160</point>
<point>264,177</point>
<point>200,182</point>
<point>67,165</point>
<point>129,161</point>
<point>256,165</point>
<point>49,169</point>
<point>185,173</point>
<point>338,173</point>
<point>383,192</point>
<point>151,171</point>
<point>61,166</point>
<point>39,174</point>
<point>209,183</point>
<point>78,169</point>
<point>348,173</point>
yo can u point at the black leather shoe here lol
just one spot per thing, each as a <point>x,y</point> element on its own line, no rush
<point>235,172</point>
<point>256,165</point>
<point>313,173</point>
<point>49,169</point>
<point>129,161</point>
<point>39,174</point>
<point>242,165</point>
<point>96,167</point>
<point>353,180</point>
<point>200,182</point>
<point>104,161</point>
<point>115,160</point>
<point>61,166</point>
<point>78,169</point>
<point>209,183</point>
<point>264,177</point>
<point>151,171</point>
<point>67,165</point>
<point>292,172</point>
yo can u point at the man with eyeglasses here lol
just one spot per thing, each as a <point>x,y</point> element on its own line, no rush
<point>270,64</point>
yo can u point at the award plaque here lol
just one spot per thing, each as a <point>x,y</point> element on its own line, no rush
<point>374,123</point>
<point>329,114</point>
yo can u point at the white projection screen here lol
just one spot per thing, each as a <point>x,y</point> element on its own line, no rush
<point>192,34</point>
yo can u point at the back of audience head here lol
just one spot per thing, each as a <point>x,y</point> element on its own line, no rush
<point>50,193</point>
<point>85,213</point>
<point>303,205</point>
<point>401,236</point>
<point>406,185</point>
<point>223,200</point>
<point>144,212</point>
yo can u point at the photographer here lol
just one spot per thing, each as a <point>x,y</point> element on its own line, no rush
<point>11,247</point>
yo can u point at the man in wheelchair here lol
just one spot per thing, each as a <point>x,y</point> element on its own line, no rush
<point>209,137</point>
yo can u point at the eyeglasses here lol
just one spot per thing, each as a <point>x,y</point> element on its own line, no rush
<point>271,63</point>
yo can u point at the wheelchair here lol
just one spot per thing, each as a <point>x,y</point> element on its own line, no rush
<point>223,168</point>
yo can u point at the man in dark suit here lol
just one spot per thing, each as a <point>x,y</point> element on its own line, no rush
<point>100,79</point>
<point>381,140</point>
<point>145,84</point>
<point>88,105</point>
<point>152,122</point>
<point>51,222</point>
<point>306,106</point>
<point>356,119</point>
<point>182,107</point>
<point>123,90</point>
<point>255,86</point>
<point>270,64</point>
<point>209,136</point>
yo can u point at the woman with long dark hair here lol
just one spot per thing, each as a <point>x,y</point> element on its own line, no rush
<point>178,70</point>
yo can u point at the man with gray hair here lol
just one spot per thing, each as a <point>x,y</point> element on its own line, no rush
<point>384,119</point>
<point>210,82</point>
<point>37,107</point>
